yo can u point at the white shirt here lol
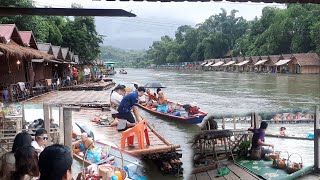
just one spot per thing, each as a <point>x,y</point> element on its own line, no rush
<point>116,98</point>
<point>86,71</point>
<point>38,148</point>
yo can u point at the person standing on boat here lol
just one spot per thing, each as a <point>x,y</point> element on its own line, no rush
<point>258,142</point>
<point>129,103</point>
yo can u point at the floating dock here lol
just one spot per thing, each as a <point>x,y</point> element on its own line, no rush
<point>92,86</point>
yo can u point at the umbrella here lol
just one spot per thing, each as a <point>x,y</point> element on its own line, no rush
<point>154,85</point>
<point>85,129</point>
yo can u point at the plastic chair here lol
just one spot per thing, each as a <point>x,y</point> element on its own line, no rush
<point>140,130</point>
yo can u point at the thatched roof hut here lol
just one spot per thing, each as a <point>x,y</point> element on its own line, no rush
<point>306,63</point>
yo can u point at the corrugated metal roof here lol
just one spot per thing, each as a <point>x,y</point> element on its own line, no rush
<point>6,31</point>
<point>25,36</point>
<point>64,52</point>
<point>44,47</point>
<point>56,50</point>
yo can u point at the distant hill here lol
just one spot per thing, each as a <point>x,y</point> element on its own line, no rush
<point>122,57</point>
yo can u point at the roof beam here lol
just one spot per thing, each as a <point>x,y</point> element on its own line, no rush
<point>12,11</point>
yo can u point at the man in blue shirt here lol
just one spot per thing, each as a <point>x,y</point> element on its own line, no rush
<point>128,103</point>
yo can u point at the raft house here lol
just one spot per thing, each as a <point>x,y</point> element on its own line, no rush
<point>216,152</point>
<point>303,63</point>
<point>29,68</point>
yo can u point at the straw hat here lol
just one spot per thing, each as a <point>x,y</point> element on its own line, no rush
<point>135,82</point>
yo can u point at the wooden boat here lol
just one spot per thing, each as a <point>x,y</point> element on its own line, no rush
<point>190,119</point>
<point>289,137</point>
<point>129,160</point>
<point>122,71</point>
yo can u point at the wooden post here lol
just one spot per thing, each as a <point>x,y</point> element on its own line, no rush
<point>234,122</point>
<point>223,123</point>
<point>23,115</point>
<point>46,115</point>
<point>316,140</point>
<point>50,112</point>
<point>256,120</point>
<point>67,126</point>
<point>61,127</point>
<point>252,120</point>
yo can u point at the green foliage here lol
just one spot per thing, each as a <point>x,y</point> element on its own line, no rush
<point>123,58</point>
<point>79,35</point>
<point>278,31</point>
<point>244,149</point>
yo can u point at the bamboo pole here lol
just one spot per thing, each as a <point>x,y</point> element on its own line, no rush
<point>155,150</point>
<point>234,122</point>
<point>158,135</point>
<point>67,126</point>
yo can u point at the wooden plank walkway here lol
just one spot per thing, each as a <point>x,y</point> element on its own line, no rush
<point>157,143</point>
<point>76,98</point>
<point>236,173</point>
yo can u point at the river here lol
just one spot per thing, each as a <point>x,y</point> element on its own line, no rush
<point>224,93</point>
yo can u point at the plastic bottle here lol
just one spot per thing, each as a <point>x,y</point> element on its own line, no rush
<point>131,170</point>
<point>114,177</point>
<point>118,174</point>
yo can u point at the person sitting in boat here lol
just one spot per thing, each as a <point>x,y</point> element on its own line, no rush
<point>84,144</point>
<point>258,142</point>
<point>117,95</point>
<point>282,131</point>
<point>129,103</point>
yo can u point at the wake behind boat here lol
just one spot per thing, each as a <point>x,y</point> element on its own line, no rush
<point>178,112</point>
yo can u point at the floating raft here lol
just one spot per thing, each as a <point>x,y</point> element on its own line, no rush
<point>92,86</point>
<point>289,137</point>
<point>157,142</point>
<point>160,151</point>
<point>74,98</point>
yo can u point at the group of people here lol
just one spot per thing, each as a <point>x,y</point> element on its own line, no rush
<point>29,160</point>
<point>125,103</point>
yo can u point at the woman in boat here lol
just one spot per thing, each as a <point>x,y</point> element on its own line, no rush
<point>26,164</point>
<point>258,142</point>
<point>84,144</point>
<point>7,161</point>
<point>282,131</point>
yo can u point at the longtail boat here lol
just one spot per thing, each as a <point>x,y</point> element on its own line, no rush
<point>179,113</point>
<point>289,137</point>
<point>114,156</point>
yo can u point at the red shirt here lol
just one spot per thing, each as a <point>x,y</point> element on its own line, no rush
<point>75,72</point>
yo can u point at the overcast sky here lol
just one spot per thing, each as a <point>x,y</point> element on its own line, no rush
<point>154,19</point>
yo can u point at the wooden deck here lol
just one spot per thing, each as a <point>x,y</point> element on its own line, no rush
<point>235,173</point>
<point>96,86</point>
<point>76,98</point>
<point>158,143</point>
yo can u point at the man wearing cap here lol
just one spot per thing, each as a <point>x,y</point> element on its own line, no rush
<point>128,103</point>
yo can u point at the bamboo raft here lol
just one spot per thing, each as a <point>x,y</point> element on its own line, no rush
<point>160,151</point>
<point>92,86</point>
<point>289,137</point>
